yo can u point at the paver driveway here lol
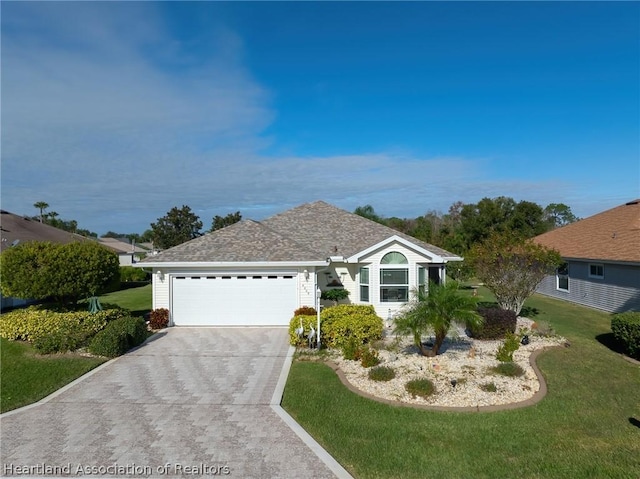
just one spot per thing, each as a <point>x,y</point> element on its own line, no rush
<point>197,398</point>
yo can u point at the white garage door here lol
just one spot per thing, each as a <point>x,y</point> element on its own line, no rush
<point>234,300</point>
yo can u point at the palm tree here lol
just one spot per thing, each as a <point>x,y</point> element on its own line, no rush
<point>41,205</point>
<point>436,310</point>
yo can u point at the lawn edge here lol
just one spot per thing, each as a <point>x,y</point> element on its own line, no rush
<point>536,398</point>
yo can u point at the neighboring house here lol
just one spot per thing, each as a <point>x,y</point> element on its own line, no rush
<point>127,253</point>
<point>258,273</point>
<point>602,260</point>
<point>15,229</point>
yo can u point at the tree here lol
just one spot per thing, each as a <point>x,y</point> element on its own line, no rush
<point>500,215</point>
<point>62,272</point>
<point>512,267</point>
<point>41,205</point>
<point>436,310</point>
<point>368,212</point>
<point>176,227</point>
<point>220,222</point>
<point>559,214</point>
<point>528,220</point>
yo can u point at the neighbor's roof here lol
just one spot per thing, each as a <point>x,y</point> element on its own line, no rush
<point>16,229</point>
<point>120,246</point>
<point>310,232</point>
<point>613,235</point>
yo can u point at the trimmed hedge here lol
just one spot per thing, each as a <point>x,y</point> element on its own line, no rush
<point>343,322</point>
<point>626,329</point>
<point>307,322</point>
<point>497,323</point>
<point>118,337</point>
<point>36,322</point>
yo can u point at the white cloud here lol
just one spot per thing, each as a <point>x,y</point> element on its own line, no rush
<point>112,121</point>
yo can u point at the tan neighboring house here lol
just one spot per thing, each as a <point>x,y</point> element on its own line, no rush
<point>602,260</point>
<point>256,273</point>
<point>128,253</point>
<point>15,229</point>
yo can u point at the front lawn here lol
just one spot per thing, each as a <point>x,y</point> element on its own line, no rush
<point>137,300</point>
<point>586,427</point>
<point>27,377</point>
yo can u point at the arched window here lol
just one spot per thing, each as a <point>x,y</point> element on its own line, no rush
<point>394,258</point>
<point>394,278</point>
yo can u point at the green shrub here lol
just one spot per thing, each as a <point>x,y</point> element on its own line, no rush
<point>626,329</point>
<point>118,337</point>
<point>506,350</point>
<point>63,340</point>
<point>305,311</point>
<point>351,349</point>
<point>508,369</point>
<point>497,323</point>
<point>36,322</point>
<point>307,322</point>
<point>130,273</point>
<point>369,357</point>
<point>489,387</point>
<point>159,318</point>
<point>335,295</point>
<point>345,321</point>
<point>381,373</point>
<point>420,387</point>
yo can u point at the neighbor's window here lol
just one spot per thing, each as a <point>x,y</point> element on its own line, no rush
<point>596,271</point>
<point>364,284</point>
<point>562,277</point>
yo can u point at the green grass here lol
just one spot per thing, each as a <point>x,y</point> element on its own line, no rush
<point>586,426</point>
<point>137,300</point>
<point>27,377</point>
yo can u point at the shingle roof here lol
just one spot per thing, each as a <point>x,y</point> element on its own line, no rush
<point>613,235</point>
<point>336,232</point>
<point>121,246</point>
<point>310,232</point>
<point>16,229</point>
<point>245,241</point>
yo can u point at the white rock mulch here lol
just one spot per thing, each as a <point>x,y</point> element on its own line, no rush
<point>466,360</point>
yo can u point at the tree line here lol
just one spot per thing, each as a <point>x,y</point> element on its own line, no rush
<point>465,225</point>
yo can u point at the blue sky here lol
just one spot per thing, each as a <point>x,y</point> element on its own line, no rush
<point>113,113</point>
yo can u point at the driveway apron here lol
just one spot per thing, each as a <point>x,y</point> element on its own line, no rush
<point>193,402</point>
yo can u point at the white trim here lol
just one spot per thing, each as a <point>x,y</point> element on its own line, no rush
<point>434,257</point>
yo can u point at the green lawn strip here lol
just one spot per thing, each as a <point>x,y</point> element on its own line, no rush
<point>26,377</point>
<point>137,300</point>
<point>580,430</point>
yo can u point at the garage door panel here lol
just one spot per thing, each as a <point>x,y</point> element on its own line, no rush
<point>234,300</point>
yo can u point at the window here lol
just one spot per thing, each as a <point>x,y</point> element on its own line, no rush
<point>394,280</point>
<point>364,284</point>
<point>562,277</point>
<point>596,271</point>
<point>422,280</point>
<point>394,258</point>
<point>394,285</point>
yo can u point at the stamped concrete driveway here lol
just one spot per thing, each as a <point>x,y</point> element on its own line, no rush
<point>193,402</point>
